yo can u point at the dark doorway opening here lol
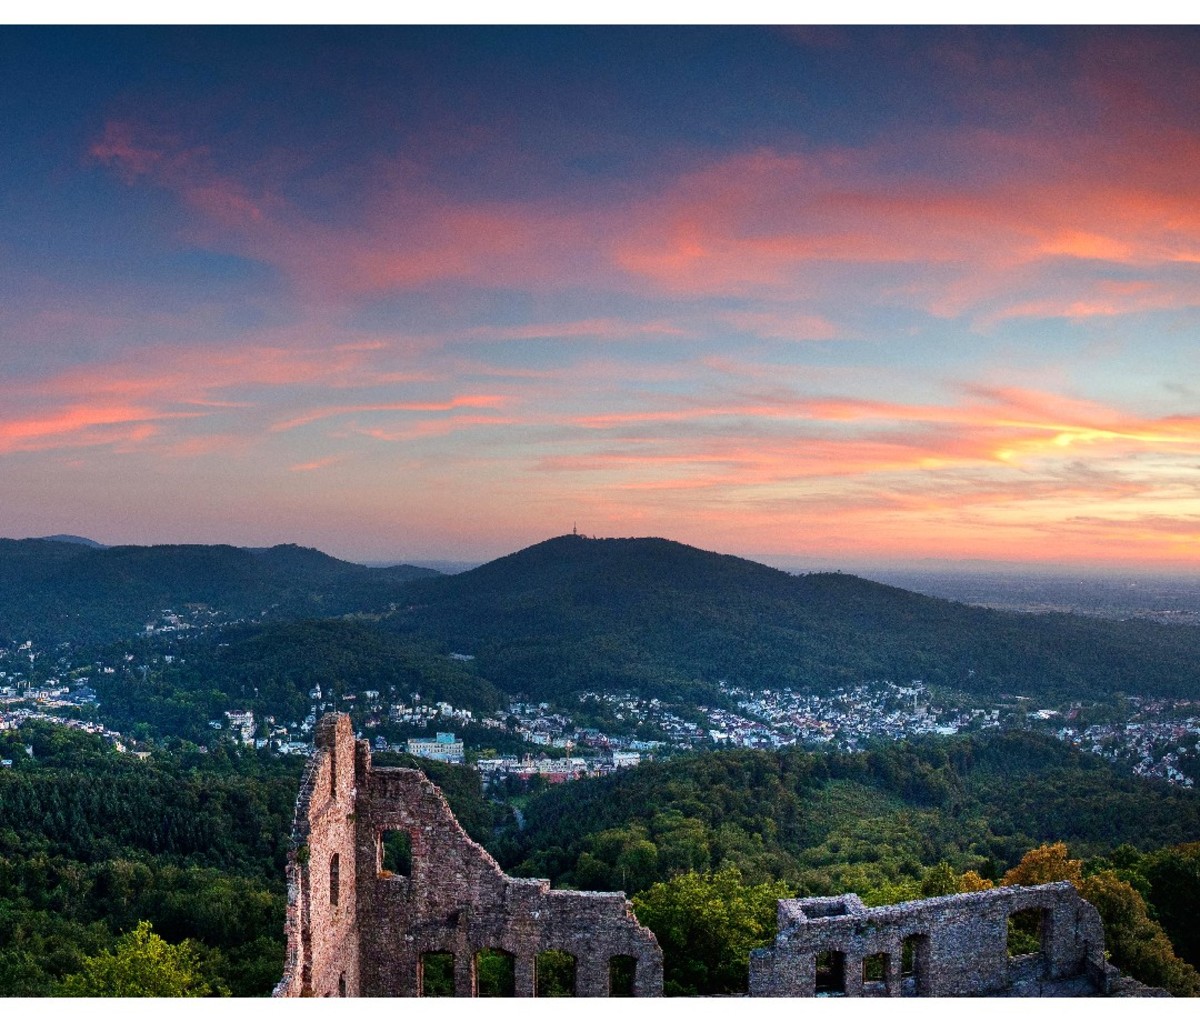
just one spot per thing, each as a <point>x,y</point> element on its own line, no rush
<point>622,974</point>
<point>831,974</point>
<point>437,974</point>
<point>495,973</point>
<point>555,974</point>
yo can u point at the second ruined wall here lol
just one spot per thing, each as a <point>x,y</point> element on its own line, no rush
<point>959,943</point>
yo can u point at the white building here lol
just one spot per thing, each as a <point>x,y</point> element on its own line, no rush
<point>445,748</point>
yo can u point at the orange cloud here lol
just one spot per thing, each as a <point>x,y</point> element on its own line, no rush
<point>777,224</point>
<point>995,448</point>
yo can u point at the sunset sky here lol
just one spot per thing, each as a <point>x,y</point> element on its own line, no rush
<point>814,296</point>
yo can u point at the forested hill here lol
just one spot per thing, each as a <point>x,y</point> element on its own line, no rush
<point>670,620</point>
<point>836,822</point>
<point>55,591</point>
<point>571,614</point>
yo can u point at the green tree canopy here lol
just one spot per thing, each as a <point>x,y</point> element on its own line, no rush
<point>143,965</point>
<point>1136,942</point>
<point>707,925</point>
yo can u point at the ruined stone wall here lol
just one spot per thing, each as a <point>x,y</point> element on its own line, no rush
<point>322,910</point>
<point>456,899</point>
<point>957,946</point>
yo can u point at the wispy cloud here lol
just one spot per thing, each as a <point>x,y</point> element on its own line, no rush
<point>316,465</point>
<point>81,426</point>
<point>335,411</point>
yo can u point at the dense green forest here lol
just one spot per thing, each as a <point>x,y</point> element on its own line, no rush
<point>903,821</point>
<point>93,842</point>
<point>830,822</point>
<point>271,669</point>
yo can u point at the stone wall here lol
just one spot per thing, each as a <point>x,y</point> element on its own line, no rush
<point>954,946</point>
<point>322,910</point>
<point>369,940</point>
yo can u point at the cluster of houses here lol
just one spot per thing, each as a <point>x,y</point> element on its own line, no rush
<point>58,689</point>
<point>192,616</point>
<point>420,713</point>
<point>554,771</point>
<point>846,718</point>
<point>1161,740</point>
<point>446,748</point>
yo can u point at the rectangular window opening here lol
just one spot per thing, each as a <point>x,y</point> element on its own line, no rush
<point>913,955</point>
<point>1025,933</point>
<point>395,854</point>
<point>622,975</point>
<point>875,968</point>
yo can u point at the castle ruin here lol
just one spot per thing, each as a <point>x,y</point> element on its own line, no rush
<point>355,930</point>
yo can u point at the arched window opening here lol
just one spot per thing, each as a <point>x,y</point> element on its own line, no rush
<point>335,870</point>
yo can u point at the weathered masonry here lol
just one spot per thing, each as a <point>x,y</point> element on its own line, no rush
<point>357,930</point>
<point>954,946</point>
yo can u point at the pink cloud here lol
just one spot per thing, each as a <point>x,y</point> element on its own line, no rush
<point>138,154</point>
<point>428,428</point>
<point>333,411</point>
<point>599,328</point>
<point>80,425</point>
<point>788,326</point>
<point>316,465</point>
<point>975,230</point>
<point>161,383</point>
